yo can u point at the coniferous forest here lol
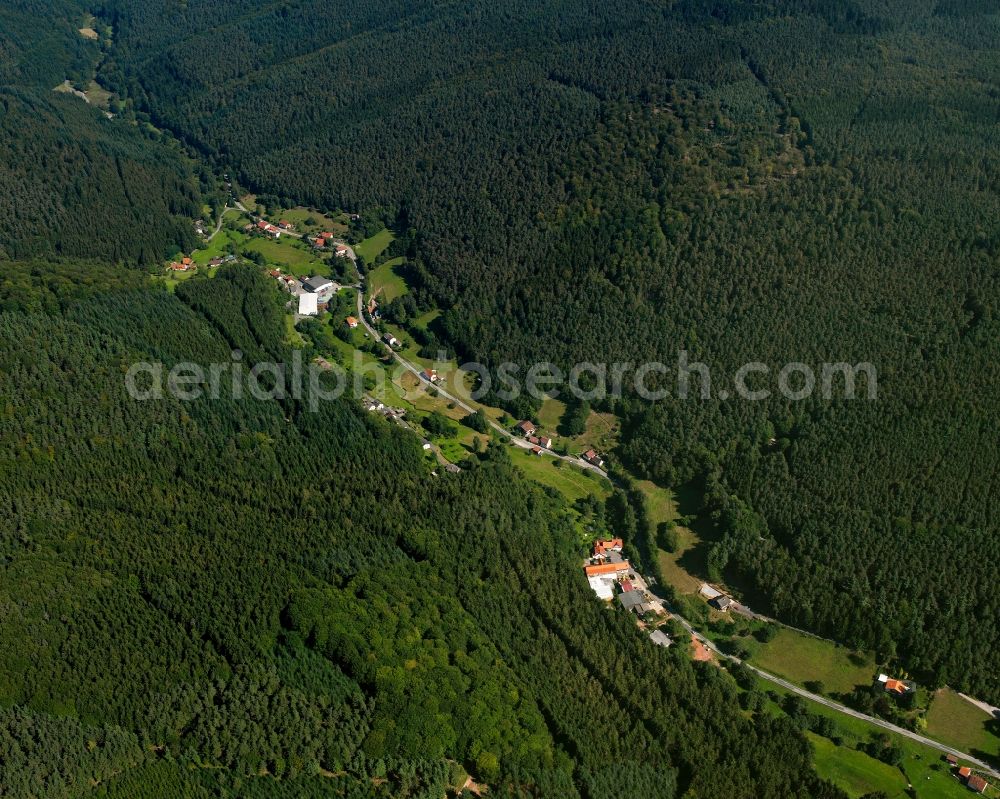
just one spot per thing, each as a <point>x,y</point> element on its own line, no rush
<point>246,598</point>
<point>205,596</point>
<point>747,181</point>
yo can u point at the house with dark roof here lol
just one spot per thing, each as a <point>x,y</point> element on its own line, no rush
<point>660,638</point>
<point>634,601</point>
<point>721,602</point>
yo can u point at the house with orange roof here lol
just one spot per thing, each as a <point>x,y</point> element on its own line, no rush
<point>897,687</point>
<point>599,569</point>
<point>964,772</point>
<point>610,545</point>
<point>352,322</point>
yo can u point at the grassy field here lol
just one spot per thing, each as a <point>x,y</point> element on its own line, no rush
<point>292,256</point>
<point>569,480</point>
<point>954,721</point>
<point>858,773</point>
<point>854,772</point>
<point>802,658</point>
<point>321,222</point>
<point>217,246</point>
<point>386,282</point>
<point>425,319</point>
<point>371,248</point>
<point>550,414</point>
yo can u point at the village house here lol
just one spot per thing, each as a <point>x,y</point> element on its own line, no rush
<point>977,784</point>
<point>391,340</point>
<point>352,322</point>
<point>591,457</point>
<point>284,224</point>
<point>897,687</point>
<point>598,569</point>
<point>342,250</point>
<point>268,229</point>
<point>321,286</point>
<point>660,638</point>
<point>635,602</point>
<point>527,428</point>
<point>721,602</point>
<point>429,375</point>
<point>602,547</point>
<point>536,451</point>
<point>545,442</point>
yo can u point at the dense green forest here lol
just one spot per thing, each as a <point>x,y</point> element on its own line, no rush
<point>750,180</point>
<point>73,182</point>
<point>238,597</point>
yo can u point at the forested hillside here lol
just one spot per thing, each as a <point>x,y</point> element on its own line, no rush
<point>73,182</point>
<point>239,597</point>
<point>751,181</point>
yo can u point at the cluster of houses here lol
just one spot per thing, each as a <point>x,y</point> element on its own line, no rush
<point>313,293</point>
<point>263,227</point>
<point>182,265</point>
<point>612,578</point>
<point>974,782</point>
<point>392,414</point>
<point>186,264</point>
<point>527,431</point>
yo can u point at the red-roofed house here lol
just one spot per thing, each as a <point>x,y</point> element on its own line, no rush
<point>897,687</point>
<point>607,568</point>
<point>965,771</point>
<point>610,545</point>
<point>526,427</point>
<point>352,322</point>
<point>977,784</point>
<point>536,450</point>
<point>626,586</point>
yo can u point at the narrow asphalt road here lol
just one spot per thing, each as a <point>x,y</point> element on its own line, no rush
<point>415,370</point>
<point>829,703</point>
<point>788,686</point>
